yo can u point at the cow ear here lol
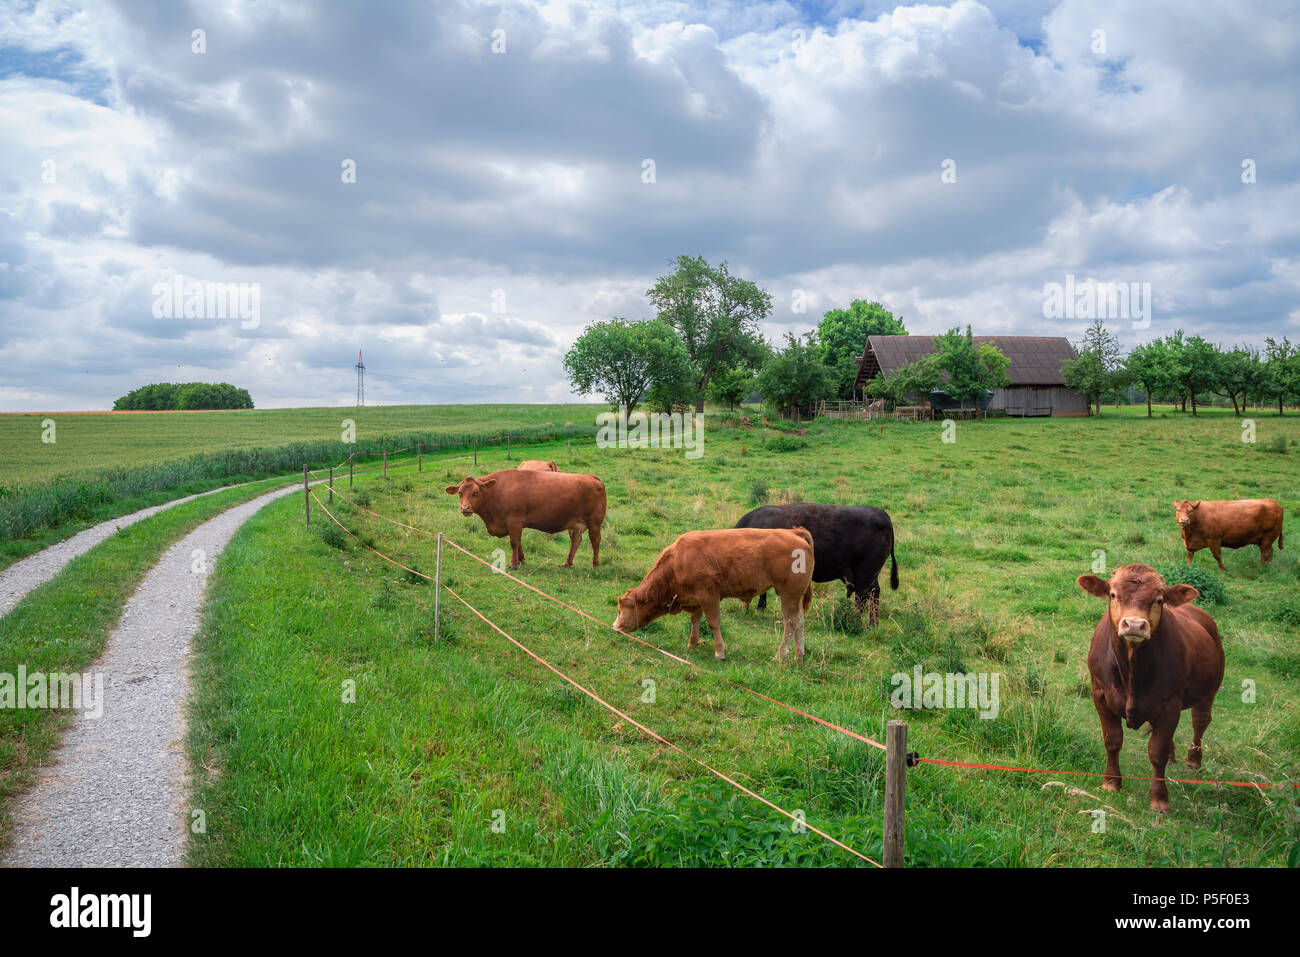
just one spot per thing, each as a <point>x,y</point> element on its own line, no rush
<point>1094,585</point>
<point>1196,505</point>
<point>487,483</point>
<point>452,489</point>
<point>1180,595</point>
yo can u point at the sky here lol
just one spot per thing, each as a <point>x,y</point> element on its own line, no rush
<point>459,188</point>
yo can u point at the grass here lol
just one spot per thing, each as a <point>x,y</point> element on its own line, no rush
<point>104,465</point>
<point>62,626</point>
<point>445,739</point>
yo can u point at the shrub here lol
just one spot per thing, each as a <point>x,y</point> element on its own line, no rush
<point>758,492</point>
<point>784,443</point>
<point>333,536</point>
<point>1210,587</point>
<point>845,617</point>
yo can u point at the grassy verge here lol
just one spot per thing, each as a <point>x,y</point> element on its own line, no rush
<point>443,740</point>
<point>62,626</point>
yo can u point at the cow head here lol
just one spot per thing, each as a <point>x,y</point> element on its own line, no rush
<point>635,612</point>
<point>1184,511</point>
<point>1137,598</point>
<point>473,492</point>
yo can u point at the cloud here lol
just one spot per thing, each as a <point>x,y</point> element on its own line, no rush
<point>499,203</point>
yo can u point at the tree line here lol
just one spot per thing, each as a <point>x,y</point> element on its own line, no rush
<point>1180,368</point>
<point>169,396</point>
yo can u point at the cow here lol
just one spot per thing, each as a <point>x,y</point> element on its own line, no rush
<point>534,465</point>
<point>851,542</point>
<point>1153,655</point>
<point>697,571</point>
<point>1233,524</point>
<point>510,501</point>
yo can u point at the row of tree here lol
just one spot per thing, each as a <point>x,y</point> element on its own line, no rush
<point>705,343</point>
<point>170,396</point>
<point>1180,368</point>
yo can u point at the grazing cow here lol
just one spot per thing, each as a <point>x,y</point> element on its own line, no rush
<point>510,501</point>
<point>851,542</point>
<point>534,465</point>
<point>1234,524</point>
<point>1153,655</point>
<point>697,571</point>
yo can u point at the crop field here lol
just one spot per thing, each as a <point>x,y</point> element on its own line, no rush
<point>330,728</point>
<point>89,442</point>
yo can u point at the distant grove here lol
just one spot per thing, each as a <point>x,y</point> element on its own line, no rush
<point>705,343</point>
<point>164,396</point>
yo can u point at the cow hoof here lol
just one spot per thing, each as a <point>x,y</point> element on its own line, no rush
<point>718,657</point>
<point>1161,805</point>
<point>511,567</point>
<point>566,564</point>
<point>1111,786</point>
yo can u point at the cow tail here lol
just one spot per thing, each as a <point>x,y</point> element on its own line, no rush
<point>807,596</point>
<point>893,569</point>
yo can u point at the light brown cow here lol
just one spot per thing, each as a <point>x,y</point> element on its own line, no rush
<point>510,501</point>
<point>1232,524</point>
<point>1153,655</point>
<point>697,571</point>
<point>535,465</point>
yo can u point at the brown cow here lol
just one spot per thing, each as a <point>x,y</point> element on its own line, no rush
<point>510,501</point>
<point>697,571</point>
<point>1233,524</point>
<point>535,465</point>
<point>1153,655</point>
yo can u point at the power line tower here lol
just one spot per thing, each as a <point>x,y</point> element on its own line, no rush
<point>361,380</point>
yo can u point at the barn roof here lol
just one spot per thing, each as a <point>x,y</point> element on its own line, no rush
<point>1035,360</point>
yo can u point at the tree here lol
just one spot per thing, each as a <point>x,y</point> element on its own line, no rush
<point>1099,367</point>
<point>622,360</point>
<point>165,396</point>
<point>971,370</point>
<point>731,386</point>
<point>796,377</point>
<point>1196,365</point>
<point>716,316</point>
<point>1282,361</point>
<point>843,337</point>
<point>1152,366</point>
<point>1239,374</point>
<point>918,379</point>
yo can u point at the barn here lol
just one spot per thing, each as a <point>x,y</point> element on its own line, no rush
<point>1037,386</point>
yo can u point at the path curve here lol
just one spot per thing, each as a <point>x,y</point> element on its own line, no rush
<point>35,570</point>
<point>114,794</point>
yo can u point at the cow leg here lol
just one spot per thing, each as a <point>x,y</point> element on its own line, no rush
<point>1200,721</point>
<point>873,602</point>
<point>762,601</point>
<point>1112,735</point>
<point>792,631</point>
<point>593,533</point>
<point>1190,555</point>
<point>695,629</point>
<point>1265,552</point>
<point>516,546</point>
<point>575,536</point>
<point>1159,751</point>
<point>713,612</point>
<point>1216,551</point>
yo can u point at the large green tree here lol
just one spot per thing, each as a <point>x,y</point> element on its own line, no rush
<point>1240,374</point>
<point>1151,365</point>
<point>716,315</point>
<point>796,376</point>
<point>623,360</point>
<point>843,337</point>
<point>1282,360</point>
<point>1099,367</point>
<point>1196,365</point>
<point>970,370</point>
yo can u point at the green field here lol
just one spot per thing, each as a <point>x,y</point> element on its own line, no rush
<point>94,442</point>
<point>445,739</point>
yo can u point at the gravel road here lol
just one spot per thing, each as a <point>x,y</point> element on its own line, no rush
<point>114,795</point>
<point>22,576</point>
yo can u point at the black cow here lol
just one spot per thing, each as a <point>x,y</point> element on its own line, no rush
<point>850,543</point>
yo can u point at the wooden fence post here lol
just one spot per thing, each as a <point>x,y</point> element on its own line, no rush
<point>306,495</point>
<point>331,485</point>
<point>895,791</point>
<point>437,592</point>
<point>350,454</point>
<point>507,446</point>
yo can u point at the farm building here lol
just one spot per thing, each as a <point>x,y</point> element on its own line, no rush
<point>1037,386</point>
